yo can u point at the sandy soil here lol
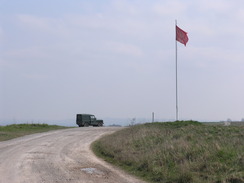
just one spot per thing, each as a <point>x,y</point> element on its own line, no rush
<point>58,156</point>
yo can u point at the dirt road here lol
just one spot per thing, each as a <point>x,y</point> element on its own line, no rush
<point>58,156</point>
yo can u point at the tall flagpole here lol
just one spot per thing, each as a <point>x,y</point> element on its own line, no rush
<point>176,75</point>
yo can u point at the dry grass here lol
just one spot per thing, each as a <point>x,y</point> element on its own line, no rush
<point>178,152</point>
<point>17,130</point>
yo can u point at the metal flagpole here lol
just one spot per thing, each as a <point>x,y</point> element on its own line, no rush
<point>176,75</point>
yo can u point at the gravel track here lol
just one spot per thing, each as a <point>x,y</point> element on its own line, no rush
<point>58,156</point>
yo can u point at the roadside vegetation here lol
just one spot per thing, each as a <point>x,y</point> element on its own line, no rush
<point>177,152</point>
<point>17,130</point>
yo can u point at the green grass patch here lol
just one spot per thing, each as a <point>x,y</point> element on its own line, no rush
<point>177,152</point>
<point>17,130</point>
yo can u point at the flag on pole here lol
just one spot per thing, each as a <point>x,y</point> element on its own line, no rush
<point>181,36</point>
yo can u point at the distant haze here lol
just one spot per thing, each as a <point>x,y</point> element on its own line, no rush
<point>116,59</point>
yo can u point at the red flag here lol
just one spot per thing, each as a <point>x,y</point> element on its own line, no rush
<point>181,36</point>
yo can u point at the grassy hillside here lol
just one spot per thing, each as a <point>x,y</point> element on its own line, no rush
<point>18,130</point>
<point>177,152</point>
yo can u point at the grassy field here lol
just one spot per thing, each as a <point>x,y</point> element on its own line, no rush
<point>177,152</point>
<point>17,130</point>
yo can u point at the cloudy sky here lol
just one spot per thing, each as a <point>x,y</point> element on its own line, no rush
<point>116,59</point>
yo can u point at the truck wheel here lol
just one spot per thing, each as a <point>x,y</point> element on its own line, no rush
<point>100,124</point>
<point>86,124</point>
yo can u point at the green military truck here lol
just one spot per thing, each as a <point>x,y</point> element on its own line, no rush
<point>87,120</point>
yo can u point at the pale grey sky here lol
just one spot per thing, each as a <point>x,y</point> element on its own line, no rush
<point>116,58</point>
